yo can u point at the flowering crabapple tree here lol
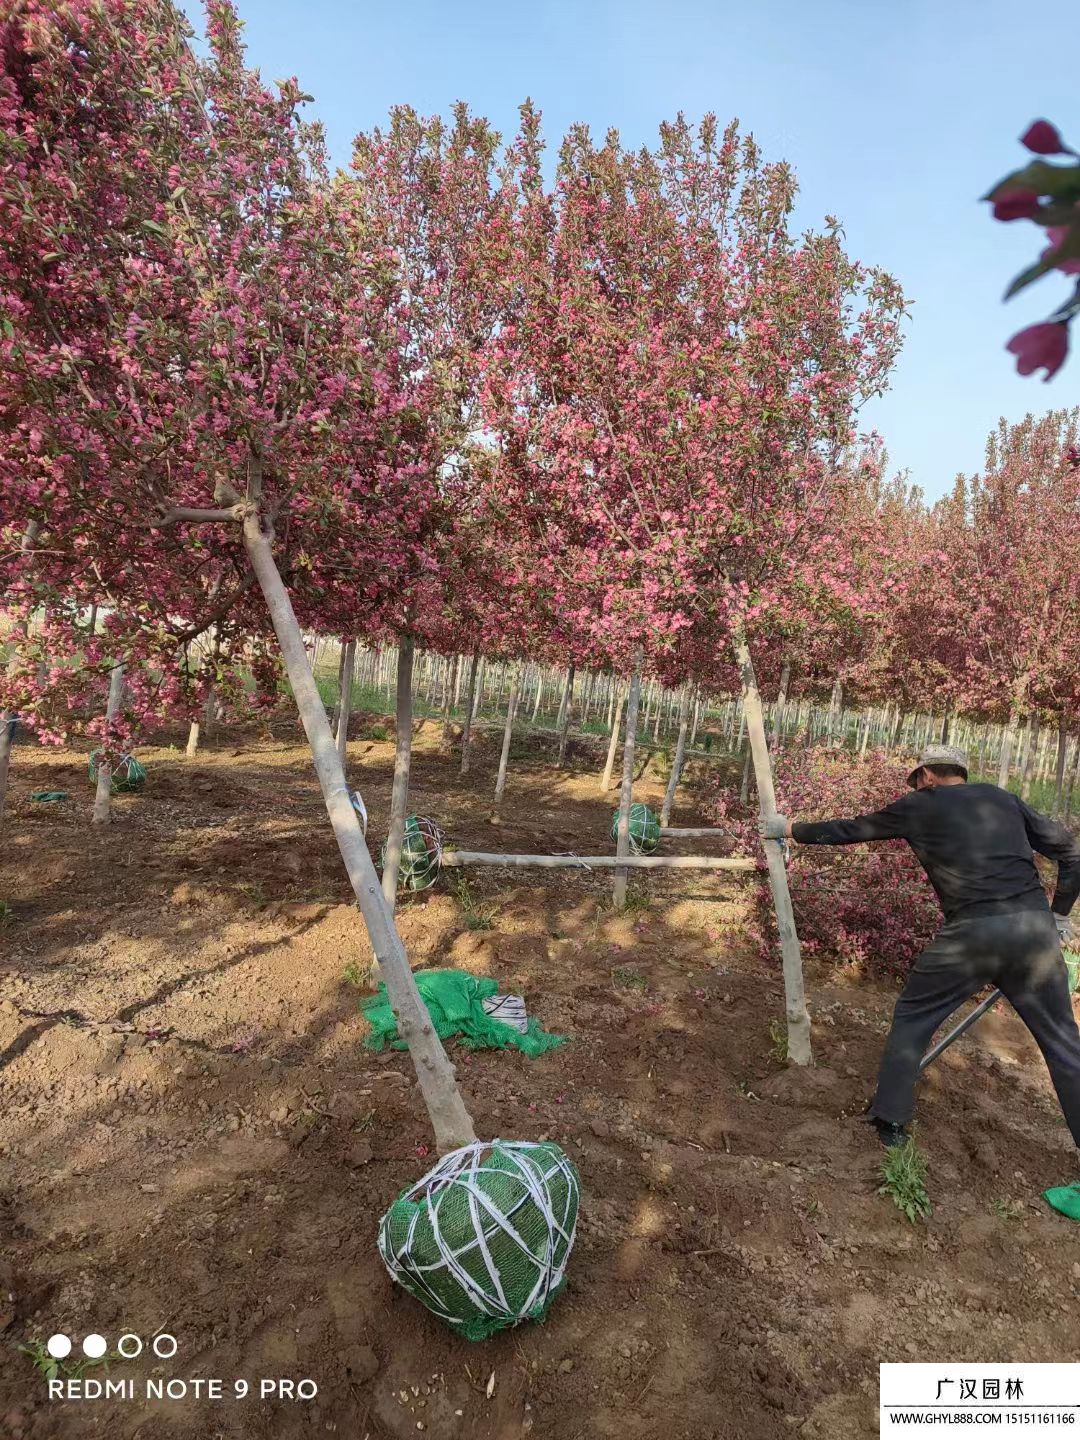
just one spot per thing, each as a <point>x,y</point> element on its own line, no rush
<point>206,363</point>
<point>671,397</point>
<point>425,197</point>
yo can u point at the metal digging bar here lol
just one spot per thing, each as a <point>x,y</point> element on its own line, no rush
<point>965,1024</point>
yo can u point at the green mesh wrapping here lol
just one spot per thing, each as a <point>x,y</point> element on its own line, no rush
<point>483,1239</point>
<point>644,829</point>
<point>1065,1199</point>
<point>454,1000</point>
<point>1072,964</point>
<point>421,854</point>
<point>128,775</point>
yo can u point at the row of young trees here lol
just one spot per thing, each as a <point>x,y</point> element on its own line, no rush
<point>601,413</point>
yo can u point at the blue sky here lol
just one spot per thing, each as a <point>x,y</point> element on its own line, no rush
<point>896,117</point>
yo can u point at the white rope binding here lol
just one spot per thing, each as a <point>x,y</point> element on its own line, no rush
<point>461,1169</point>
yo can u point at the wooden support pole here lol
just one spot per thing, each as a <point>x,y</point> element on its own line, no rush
<point>601,862</point>
<point>798,1018</point>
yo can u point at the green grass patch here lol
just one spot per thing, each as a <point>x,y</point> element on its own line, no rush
<point>903,1179</point>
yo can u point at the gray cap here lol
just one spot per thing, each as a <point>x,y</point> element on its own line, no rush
<point>941,755</point>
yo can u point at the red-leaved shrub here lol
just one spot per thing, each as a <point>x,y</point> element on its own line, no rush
<point>869,907</point>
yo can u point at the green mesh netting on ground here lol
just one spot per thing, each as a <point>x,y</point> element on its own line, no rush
<point>1066,1199</point>
<point>128,775</point>
<point>644,829</point>
<point>1072,964</point>
<point>421,854</point>
<point>483,1239</point>
<point>455,1002</point>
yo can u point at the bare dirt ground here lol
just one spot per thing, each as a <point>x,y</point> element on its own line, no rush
<point>193,1138</point>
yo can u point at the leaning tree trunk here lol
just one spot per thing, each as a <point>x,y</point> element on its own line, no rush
<point>470,702</point>
<point>508,735</point>
<point>399,798</point>
<point>449,1117</point>
<point>605,779</point>
<point>677,763</point>
<point>103,794</point>
<point>348,663</point>
<point>798,1019</point>
<point>626,798</point>
<point>192,748</point>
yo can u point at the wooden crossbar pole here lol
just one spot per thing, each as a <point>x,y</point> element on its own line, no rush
<point>693,832</point>
<point>601,862</point>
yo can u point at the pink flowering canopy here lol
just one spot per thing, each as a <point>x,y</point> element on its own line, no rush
<point>675,383</point>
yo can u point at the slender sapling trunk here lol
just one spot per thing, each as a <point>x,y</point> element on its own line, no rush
<point>399,798</point>
<point>626,797</point>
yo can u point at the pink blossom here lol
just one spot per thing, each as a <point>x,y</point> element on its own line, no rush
<point>1042,138</point>
<point>1040,347</point>
<point>1016,205</point>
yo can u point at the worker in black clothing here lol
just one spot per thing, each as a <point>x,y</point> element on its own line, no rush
<point>975,843</point>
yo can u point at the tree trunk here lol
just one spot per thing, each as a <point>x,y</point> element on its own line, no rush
<point>744,785</point>
<point>677,763</point>
<point>798,1019</point>
<point>7,724</point>
<point>566,716</point>
<point>449,1118</point>
<point>103,793</point>
<point>781,706</point>
<point>340,687</point>
<point>834,708</point>
<point>466,734</point>
<point>508,735</point>
<point>1074,774</point>
<point>539,694</point>
<point>626,798</point>
<point>568,690</point>
<point>91,626</point>
<point>1031,751</point>
<point>450,699</point>
<point>192,740</point>
<point>699,705</point>
<point>1008,740</point>
<point>28,541</point>
<point>348,662</point>
<point>1059,768</point>
<point>605,779</point>
<point>399,797</point>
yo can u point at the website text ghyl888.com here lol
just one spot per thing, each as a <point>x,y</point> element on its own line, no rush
<point>982,1417</point>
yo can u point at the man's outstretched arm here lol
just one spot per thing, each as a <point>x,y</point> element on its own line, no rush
<point>1050,838</point>
<point>887,824</point>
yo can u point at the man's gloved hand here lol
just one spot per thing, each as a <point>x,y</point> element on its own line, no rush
<point>774,827</point>
<point>1065,928</point>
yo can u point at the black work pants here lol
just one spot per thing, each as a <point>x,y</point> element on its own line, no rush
<point>1020,953</point>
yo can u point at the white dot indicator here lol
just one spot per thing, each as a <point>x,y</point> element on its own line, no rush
<point>95,1346</point>
<point>59,1346</point>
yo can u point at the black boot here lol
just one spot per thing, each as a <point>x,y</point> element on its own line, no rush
<point>889,1133</point>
